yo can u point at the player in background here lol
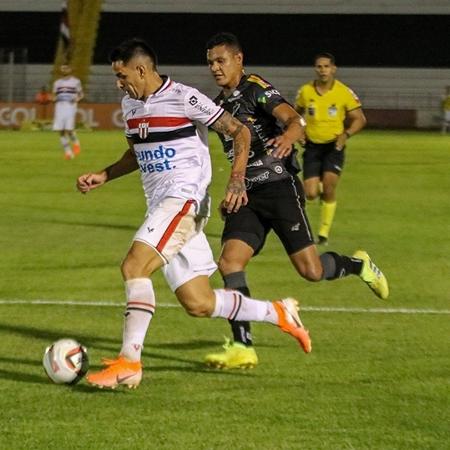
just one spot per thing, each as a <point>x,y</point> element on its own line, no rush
<point>67,92</point>
<point>326,104</point>
<point>275,194</point>
<point>43,98</point>
<point>446,111</point>
<point>166,129</point>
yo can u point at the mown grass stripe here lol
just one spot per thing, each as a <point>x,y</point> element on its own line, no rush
<point>333,309</point>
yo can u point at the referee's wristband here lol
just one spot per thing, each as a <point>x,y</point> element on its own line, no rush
<point>347,134</point>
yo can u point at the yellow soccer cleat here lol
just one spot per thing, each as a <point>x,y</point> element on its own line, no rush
<point>235,356</point>
<point>372,275</point>
<point>289,321</point>
<point>117,371</point>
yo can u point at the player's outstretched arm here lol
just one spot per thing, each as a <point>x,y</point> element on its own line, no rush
<point>125,165</point>
<point>236,195</point>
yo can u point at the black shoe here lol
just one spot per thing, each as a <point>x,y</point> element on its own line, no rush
<point>322,240</point>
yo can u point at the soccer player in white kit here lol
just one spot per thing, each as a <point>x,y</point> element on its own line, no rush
<point>166,130</point>
<point>67,92</point>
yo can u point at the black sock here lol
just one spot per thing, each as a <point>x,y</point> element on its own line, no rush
<point>338,266</point>
<point>241,329</point>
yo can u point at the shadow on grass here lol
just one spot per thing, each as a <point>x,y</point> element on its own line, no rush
<point>23,377</point>
<point>92,224</point>
<point>154,352</point>
<point>50,336</point>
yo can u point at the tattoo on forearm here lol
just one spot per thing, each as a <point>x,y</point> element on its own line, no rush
<point>237,130</point>
<point>220,125</point>
<point>224,125</point>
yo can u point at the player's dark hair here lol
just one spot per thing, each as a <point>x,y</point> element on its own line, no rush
<point>325,55</point>
<point>130,48</point>
<point>224,38</point>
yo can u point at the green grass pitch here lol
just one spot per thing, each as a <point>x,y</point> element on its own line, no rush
<point>375,380</point>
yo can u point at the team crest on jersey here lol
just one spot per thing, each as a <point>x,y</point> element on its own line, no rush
<point>143,130</point>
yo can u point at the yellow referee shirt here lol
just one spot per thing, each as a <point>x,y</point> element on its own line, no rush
<point>446,103</point>
<point>325,114</point>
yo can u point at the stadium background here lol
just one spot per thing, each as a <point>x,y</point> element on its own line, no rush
<point>393,54</point>
<point>378,376</point>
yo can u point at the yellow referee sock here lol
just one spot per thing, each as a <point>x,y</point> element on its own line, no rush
<point>326,218</point>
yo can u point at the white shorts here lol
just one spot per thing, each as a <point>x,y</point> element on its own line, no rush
<point>64,118</point>
<point>175,231</point>
<point>447,116</point>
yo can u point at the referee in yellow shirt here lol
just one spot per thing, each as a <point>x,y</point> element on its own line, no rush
<point>327,105</point>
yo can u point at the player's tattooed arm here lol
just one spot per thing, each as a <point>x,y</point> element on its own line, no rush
<point>236,195</point>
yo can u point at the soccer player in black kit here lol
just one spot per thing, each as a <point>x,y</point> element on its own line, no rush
<point>276,199</point>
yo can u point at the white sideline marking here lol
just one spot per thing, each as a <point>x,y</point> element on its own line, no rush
<point>334,309</point>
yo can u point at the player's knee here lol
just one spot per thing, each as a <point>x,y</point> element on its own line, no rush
<point>310,196</point>
<point>312,273</point>
<point>197,307</point>
<point>229,265</point>
<point>130,269</point>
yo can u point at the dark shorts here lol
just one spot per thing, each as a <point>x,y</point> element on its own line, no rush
<point>277,206</point>
<point>320,158</point>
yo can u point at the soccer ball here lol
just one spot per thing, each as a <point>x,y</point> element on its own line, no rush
<point>66,361</point>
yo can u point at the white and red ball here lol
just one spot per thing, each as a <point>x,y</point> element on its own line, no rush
<point>66,361</point>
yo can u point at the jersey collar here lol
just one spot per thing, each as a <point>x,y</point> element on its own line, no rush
<point>237,90</point>
<point>329,90</point>
<point>165,85</point>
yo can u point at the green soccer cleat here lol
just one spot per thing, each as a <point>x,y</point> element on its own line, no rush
<point>235,356</point>
<point>372,275</point>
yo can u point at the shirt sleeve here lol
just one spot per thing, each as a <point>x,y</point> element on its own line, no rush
<point>199,107</point>
<point>352,100</point>
<point>299,99</point>
<point>265,95</point>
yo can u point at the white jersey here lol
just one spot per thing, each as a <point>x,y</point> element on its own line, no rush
<point>170,137</point>
<point>67,89</point>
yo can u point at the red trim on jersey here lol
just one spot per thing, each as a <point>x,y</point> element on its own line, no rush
<point>173,225</point>
<point>158,122</point>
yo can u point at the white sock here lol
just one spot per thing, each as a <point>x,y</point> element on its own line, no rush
<point>232,305</point>
<point>65,144</point>
<point>140,308</point>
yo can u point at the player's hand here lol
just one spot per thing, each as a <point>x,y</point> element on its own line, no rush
<point>340,141</point>
<point>236,195</point>
<point>89,181</point>
<point>282,146</point>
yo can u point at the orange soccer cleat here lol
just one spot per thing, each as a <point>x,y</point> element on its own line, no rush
<point>117,371</point>
<point>76,149</point>
<point>68,155</point>
<point>289,321</point>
